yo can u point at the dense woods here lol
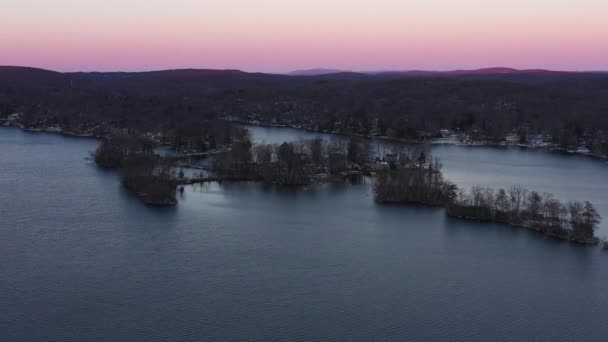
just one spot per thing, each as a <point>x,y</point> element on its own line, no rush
<point>415,178</point>
<point>142,172</point>
<point>564,109</point>
<point>151,179</point>
<point>115,151</point>
<point>295,163</point>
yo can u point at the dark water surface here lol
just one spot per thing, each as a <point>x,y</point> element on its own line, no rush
<point>82,260</point>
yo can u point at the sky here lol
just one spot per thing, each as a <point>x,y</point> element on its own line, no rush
<point>280,36</point>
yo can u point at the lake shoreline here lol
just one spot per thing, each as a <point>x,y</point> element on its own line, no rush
<point>526,225</point>
<point>438,141</point>
<point>529,226</point>
<point>550,148</point>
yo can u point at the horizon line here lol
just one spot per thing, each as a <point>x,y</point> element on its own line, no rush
<point>330,69</point>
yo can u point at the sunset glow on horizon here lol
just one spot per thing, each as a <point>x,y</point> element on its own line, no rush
<point>280,36</point>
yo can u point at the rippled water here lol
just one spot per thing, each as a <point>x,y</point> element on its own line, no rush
<point>82,260</point>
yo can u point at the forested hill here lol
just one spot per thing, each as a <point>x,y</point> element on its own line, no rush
<point>487,103</point>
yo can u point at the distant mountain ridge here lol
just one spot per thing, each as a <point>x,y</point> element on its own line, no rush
<point>483,71</point>
<point>28,76</point>
<point>459,72</point>
<point>193,73</point>
<point>316,72</point>
<point>495,73</point>
<point>14,68</point>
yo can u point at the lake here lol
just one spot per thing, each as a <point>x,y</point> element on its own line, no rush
<point>83,260</point>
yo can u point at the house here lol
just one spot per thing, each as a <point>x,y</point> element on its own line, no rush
<point>445,133</point>
<point>512,138</point>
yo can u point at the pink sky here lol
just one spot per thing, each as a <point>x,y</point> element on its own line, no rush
<point>279,36</point>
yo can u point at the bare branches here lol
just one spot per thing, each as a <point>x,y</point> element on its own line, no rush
<point>521,207</point>
<point>417,179</point>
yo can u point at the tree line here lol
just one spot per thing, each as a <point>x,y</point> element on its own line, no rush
<point>142,172</point>
<point>295,163</point>
<point>518,206</point>
<point>415,177</point>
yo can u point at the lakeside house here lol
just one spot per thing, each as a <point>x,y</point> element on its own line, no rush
<point>512,138</point>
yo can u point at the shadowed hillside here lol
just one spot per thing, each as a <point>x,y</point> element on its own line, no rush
<point>487,104</point>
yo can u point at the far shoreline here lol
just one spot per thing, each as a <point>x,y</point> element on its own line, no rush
<point>553,149</point>
<point>437,142</point>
